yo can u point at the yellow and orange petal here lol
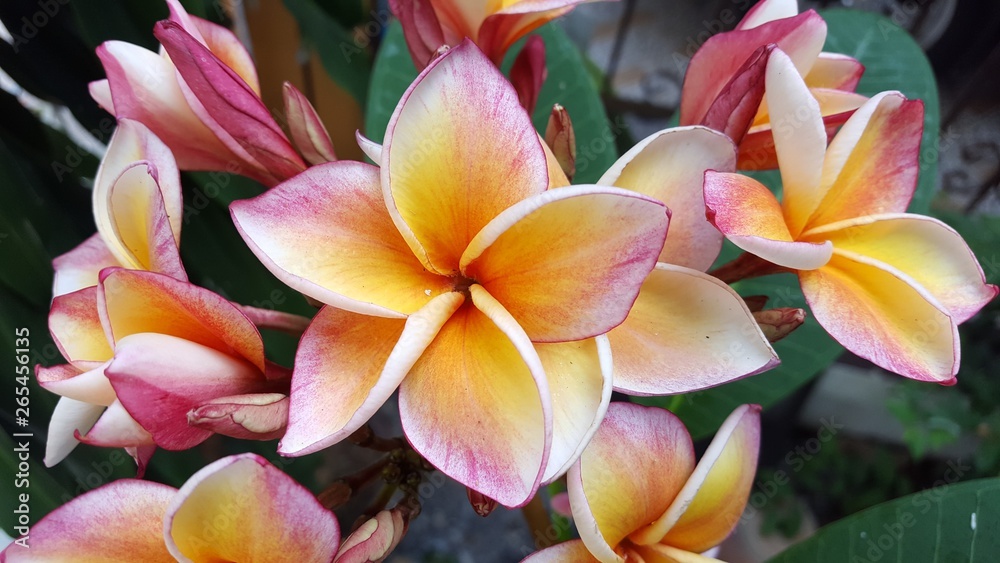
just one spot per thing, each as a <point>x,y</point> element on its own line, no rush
<point>447,172</point>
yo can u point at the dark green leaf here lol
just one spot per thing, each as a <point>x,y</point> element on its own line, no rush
<point>951,522</point>
<point>345,60</point>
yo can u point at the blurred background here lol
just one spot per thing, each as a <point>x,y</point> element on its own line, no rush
<point>834,443</point>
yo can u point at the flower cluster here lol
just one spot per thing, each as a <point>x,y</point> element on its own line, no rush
<point>462,272</point>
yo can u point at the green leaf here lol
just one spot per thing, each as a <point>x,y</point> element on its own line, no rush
<point>347,62</point>
<point>568,83</point>
<point>893,61</point>
<point>951,522</point>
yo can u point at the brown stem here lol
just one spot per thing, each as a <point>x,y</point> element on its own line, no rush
<point>276,320</point>
<point>746,266</point>
<point>341,490</point>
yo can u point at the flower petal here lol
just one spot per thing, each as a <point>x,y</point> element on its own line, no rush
<point>568,263</point>
<point>925,249</point>
<point>90,386</point>
<point>68,418</point>
<point>687,331</point>
<point>100,92</point>
<point>714,64</point>
<point>242,508</point>
<point>884,316</point>
<point>110,524</point>
<point>659,553</point>
<point>79,268</point>
<point>529,71</point>
<point>308,132</point>
<point>374,540</point>
<point>144,87</point>
<point>348,365</point>
<point>513,20</point>
<point>137,201</point>
<point>476,405</point>
<point>628,475</point>
<point>159,378</point>
<point>579,377</point>
<point>670,166</point>
<point>421,29</point>
<point>767,11</point>
<point>749,215</point>
<point>230,108</point>
<point>459,149</point>
<point>573,551</point>
<point>76,328</point>
<point>799,139</point>
<point>371,149</point>
<point>132,301</point>
<point>116,429</point>
<point>220,40</point>
<point>712,501</point>
<point>833,70</point>
<point>326,233</point>
<point>255,416</point>
<point>872,164</point>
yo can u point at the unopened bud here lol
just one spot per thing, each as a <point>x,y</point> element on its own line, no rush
<point>779,323</point>
<point>374,539</point>
<point>482,504</point>
<point>561,138</point>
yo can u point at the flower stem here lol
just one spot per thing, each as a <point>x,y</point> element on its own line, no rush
<point>539,522</point>
<point>275,320</point>
<point>746,266</point>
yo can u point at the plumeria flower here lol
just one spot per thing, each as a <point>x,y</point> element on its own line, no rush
<point>451,272</point>
<point>637,495</point>
<point>713,78</point>
<point>138,211</point>
<point>201,96</point>
<point>154,361</point>
<point>889,286</point>
<point>239,508</point>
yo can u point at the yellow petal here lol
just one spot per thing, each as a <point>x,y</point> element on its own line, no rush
<point>458,150</point>
<point>568,263</point>
<point>628,475</point>
<point>712,501</point>
<point>242,508</point>
<point>884,316</point>
<point>670,166</point>
<point>476,404</point>
<point>686,331</point>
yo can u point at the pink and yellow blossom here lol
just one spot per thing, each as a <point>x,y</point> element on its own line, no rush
<point>451,273</point>
<point>239,508</point>
<point>712,81</point>
<point>201,96</point>
<point>888,285</point>
<point>155,361</point>
<point>636,493</point>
